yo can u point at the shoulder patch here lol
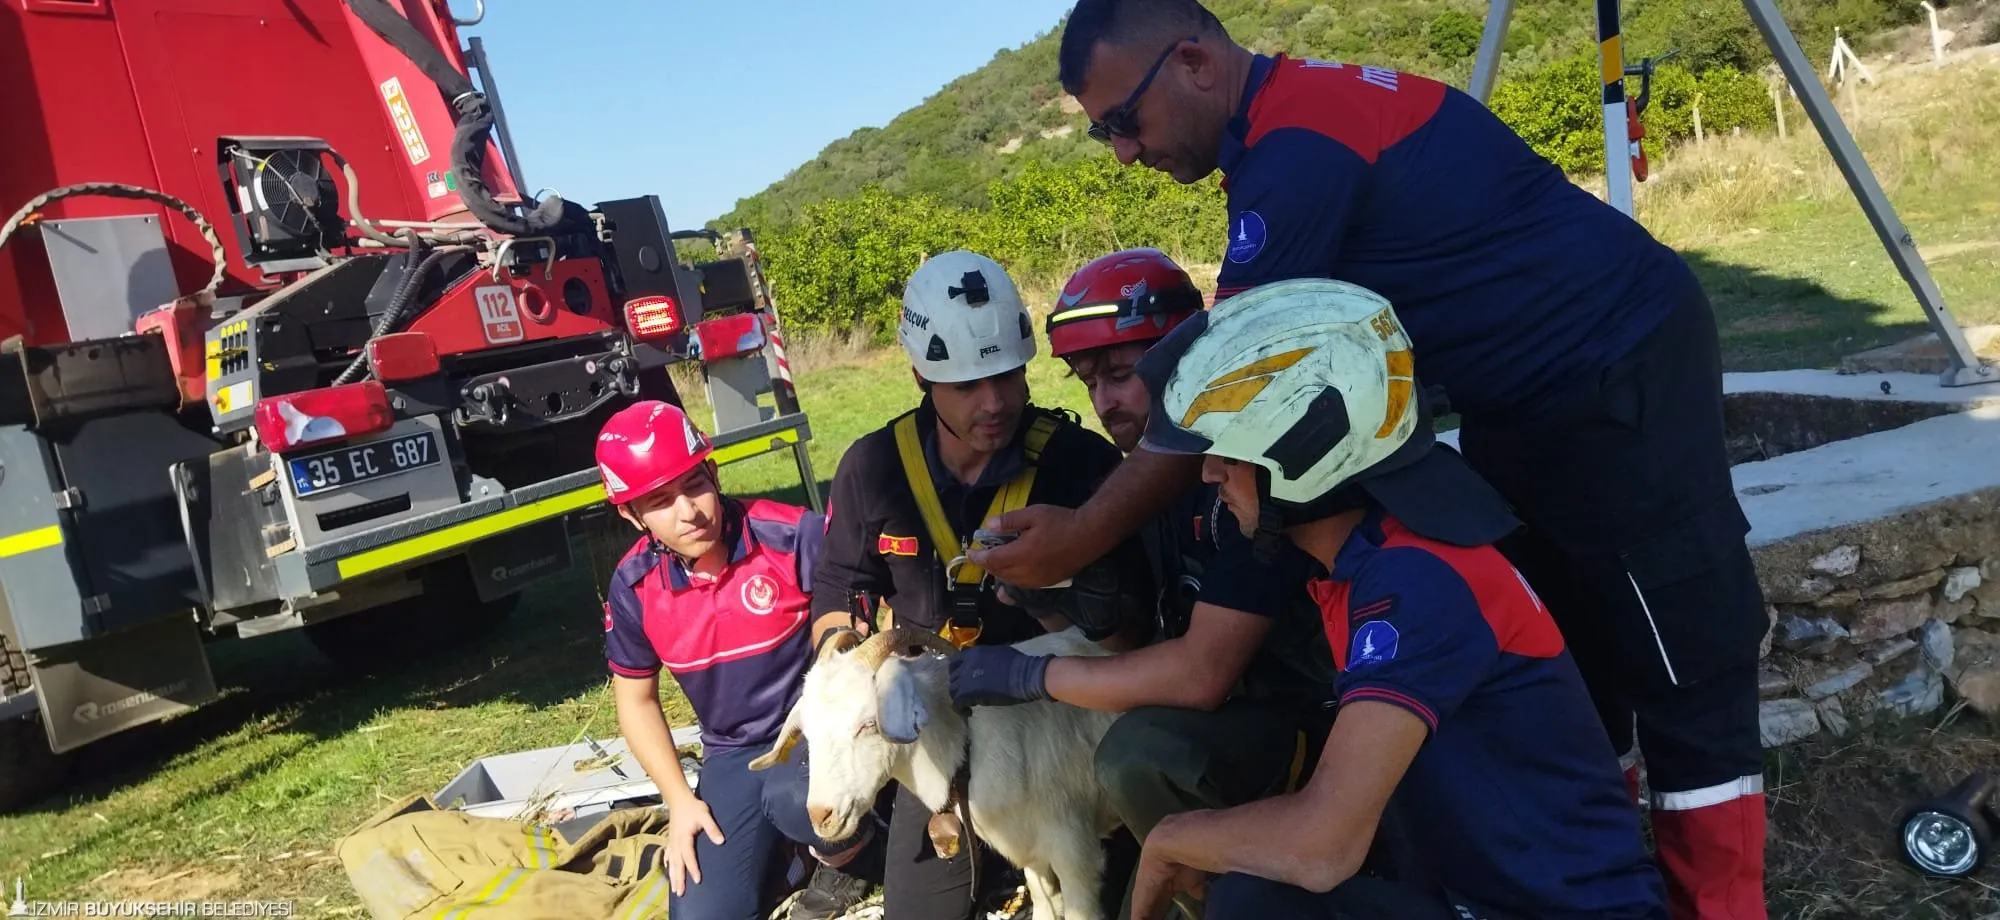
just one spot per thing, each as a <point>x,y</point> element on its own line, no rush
<point>889,545</point>
<point>1246,237</point>
<point>1374,643</point>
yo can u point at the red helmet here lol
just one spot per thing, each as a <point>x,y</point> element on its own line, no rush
<point>1133,295</point>
<point>645,446</point>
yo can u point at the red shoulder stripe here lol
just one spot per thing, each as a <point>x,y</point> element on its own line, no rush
<point>1366,109</point>
<point>1520,622</point>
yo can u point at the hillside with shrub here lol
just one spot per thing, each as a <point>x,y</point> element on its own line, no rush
<point>997,159</point>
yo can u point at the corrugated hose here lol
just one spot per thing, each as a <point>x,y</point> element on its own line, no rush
<point>121,190</point>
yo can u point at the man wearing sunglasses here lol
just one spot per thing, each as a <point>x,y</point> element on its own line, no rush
<point>1580,353</point>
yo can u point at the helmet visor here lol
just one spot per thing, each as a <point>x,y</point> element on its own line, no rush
<point>1155,368</point>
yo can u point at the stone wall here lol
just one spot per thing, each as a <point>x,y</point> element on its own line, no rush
<point>1884,618</point>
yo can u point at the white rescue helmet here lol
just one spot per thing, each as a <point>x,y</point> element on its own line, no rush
<point>1314,380</point>
<point>963,319</point>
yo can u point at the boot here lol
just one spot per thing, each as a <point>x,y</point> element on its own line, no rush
<point>1712,857</point>
<point>833,892</point>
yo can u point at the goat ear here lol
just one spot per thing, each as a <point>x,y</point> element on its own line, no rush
<point>900,703</point>
<point>781,749</point>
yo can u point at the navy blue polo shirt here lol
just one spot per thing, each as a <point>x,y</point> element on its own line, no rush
<point>1515,799</point>
<point>1510,280</point>
<point>737,644</point>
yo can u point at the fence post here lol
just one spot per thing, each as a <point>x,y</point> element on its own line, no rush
<point>1937,39</point>
<point>1697,120</point>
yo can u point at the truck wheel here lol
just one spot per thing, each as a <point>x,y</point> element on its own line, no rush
<point>447,613</point>
<point>29,771</point>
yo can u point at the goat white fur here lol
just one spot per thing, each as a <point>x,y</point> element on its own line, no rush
<point>881,709</point>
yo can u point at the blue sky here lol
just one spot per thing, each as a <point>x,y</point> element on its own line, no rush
<point>706,102</point>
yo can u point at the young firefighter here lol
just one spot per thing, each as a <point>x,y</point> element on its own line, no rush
<point>1226,704</point>
<point>717,592</point>
<point>1462,718</point>
<point>908,497</point>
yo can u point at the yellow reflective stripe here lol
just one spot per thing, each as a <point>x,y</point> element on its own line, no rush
<point>753,447</point>
<point>1611,59</point>
<point>29,541</point>
<point>644,903</point>
<point>1083,313</point>
<point>538,844</point>
<point>438,541</point>
<point>497,891</point>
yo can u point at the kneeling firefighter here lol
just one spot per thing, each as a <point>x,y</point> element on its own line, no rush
<point>908,498</point>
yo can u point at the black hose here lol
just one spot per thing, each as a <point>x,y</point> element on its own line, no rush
<point>475,124</point>
<point>468,162</point>
<point>383,19</point>
<point>398,305</point>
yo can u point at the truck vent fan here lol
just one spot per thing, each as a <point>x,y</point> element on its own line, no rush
<point>283,199</point>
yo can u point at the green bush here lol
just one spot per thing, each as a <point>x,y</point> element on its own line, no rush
<point>1556,111</point>
<point>843,264</point>
<point>1454,34</point>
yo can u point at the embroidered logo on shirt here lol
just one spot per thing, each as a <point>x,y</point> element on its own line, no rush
<point>1374,643</point>
<point>760,594</point>
<point>1246,237</point>
<point>607,617</point>
<point>895,546</point>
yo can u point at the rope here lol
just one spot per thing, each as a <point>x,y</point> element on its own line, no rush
<point>121,190</point>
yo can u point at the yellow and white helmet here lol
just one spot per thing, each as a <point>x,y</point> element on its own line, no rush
<point>1314,380</point>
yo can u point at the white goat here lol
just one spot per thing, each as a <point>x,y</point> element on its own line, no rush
<point>876,710</point>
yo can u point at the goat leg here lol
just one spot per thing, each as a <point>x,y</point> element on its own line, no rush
<point>1042,893</point>
<point>1077,859</point>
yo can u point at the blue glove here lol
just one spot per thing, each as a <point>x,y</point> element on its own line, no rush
<point>997,675</point>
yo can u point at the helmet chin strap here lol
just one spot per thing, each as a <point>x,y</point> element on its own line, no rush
<point>1275,515</point>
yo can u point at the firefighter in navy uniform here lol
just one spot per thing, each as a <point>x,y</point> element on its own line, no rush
<point>1228,702</point>
<point>906,502</point>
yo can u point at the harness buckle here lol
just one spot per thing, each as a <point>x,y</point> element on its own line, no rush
<point>961,637</point>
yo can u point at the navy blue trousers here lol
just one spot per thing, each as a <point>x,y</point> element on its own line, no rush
<point>1363,897</point>
<point>760,814</point>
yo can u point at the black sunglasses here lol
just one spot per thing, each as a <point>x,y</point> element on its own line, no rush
<point>1120,121</point>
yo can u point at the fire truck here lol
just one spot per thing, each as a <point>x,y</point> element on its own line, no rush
<point>284,344</point>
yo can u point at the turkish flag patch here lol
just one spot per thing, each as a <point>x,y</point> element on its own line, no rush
<point>895,546</point>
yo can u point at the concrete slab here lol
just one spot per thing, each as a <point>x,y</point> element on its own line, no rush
<point>1872,476</point>
<point>1902,387</point>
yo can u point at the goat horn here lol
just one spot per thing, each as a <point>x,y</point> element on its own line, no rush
<point>879,646</point>
<point>836,642</point>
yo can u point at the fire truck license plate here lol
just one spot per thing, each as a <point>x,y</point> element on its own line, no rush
<point>340,468</point>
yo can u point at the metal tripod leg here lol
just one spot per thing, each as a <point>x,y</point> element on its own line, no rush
<point>1966,367</point>
<point>806,476</point>
<point>1487,66</point>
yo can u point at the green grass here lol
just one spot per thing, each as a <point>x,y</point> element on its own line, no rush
<point>246,797</point>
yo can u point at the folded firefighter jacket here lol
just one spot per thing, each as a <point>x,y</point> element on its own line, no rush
<point>884,543</point>
<point>414,861</point>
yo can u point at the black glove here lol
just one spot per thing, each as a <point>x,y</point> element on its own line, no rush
<point>1090,601</point>
<point>997,675</point>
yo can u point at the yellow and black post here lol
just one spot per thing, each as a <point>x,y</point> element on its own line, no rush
<point>1617,141</point>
